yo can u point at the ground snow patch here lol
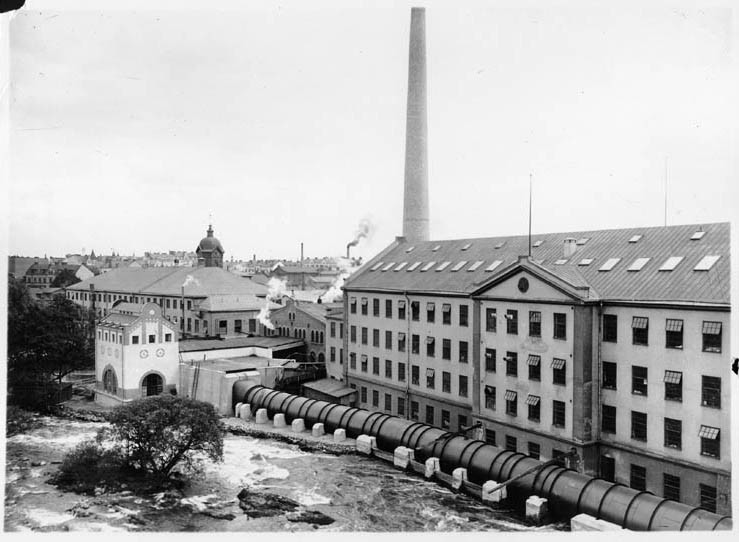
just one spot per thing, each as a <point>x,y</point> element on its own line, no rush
<point>44,518</point>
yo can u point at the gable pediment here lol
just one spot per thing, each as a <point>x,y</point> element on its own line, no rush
<point>522,283</point>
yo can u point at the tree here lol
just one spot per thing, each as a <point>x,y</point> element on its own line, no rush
<point>64,278</point>
<point>157,433</point>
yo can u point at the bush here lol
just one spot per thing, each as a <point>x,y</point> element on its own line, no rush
<point>90,466</point>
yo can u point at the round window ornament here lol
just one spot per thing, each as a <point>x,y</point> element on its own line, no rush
<point>151,312</point>
<point>523,284</point>
<point>144,354</point>
<point>160,352</point>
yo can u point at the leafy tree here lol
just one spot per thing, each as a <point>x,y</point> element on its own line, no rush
<point>64,278</point>
<point>158,433</point>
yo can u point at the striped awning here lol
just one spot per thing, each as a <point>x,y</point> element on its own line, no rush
<point>489,390</point>
<point>712,328</point>
<point>533,360</point>
<point>430,373</point>
<point>558,363</point>
<point>429,340</point>
<point>709,432</point>
<point>673,377</point>
<point>430,306</point>
<point>354,300</point>
<point>533,400</point>
<point>510,395</point>
<point>401,304</point>
<point>673,325</point>
<point>401,336</point>
<point>364,358</point>
<point>364,301</point>
<point>446,307</point>
<point>640,322</point>
<point>535,317</point>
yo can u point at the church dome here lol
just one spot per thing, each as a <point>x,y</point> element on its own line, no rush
<point>209,243</point>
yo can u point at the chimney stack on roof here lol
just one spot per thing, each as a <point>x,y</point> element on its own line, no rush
<point>570,247</point>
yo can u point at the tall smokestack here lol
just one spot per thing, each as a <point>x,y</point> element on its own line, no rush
<point>416,197</point>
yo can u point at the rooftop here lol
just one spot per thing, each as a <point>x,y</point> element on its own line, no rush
<point>275,343</point>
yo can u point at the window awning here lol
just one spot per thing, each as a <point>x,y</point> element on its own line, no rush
<point>673,377</point>
<point>489,390</point>
<point>429,340</point>
<point>364,301</point>
<point>674,325</point>
<point>709,432</point>
<point>558,363</point>
<point>534,360</point>
<point>640,322</point>
<point>510,395</point>
<point>712,328</point>
<point>430,306</point>
<point>354,300</point>
<point>535,317</point>
<point>446,307</point>
<point>533,400</point>
<point>364,358</point>
<point>401,336</point>
<point>401,304</point>
<point>430,373</point>
<point>489,353</point>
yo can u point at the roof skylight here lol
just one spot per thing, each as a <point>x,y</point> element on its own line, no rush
<point>582,240</point>
<point>671,263</point>
<point>635,238</point>
<point>460,265</point>
<point>610,264</point>
<point>538,243</point>
<point>500,245</point>
<point>409,249</point>
<point>376,266</point>
<point>468,245</point>
<point>414,266</point>
<point>706,263</point>
<point>388,266</point>
<point>586,261</point>
<point>493,265</point>
<point>443,266</point>
<point>437,247</point>
<point>560,262</point>
<point>400,266</point>
<point>697,235</point>
<point>428,266</point>
<point>475,265</point>
<point>638,264</point>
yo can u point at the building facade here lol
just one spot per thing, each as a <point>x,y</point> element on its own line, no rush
<point>306,321</point>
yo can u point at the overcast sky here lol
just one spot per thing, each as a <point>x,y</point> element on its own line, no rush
<point>287,122</point>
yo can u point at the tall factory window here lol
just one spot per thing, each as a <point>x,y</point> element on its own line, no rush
<point>491,320</point>
<point>364,335</point>
<point>332,330</point>
<point>671,487</point>
<point>430,347</point>
<point>490,360</point>
<point>559,371</point>
<point>534,363</point>
<point>341,330</point>
<point>708,497</point>
<point>608,468</point>
<point>640,330</point>
<point>388,308</point>
<point>710,441</point>
<point>375,366</point>
<point>511,402</point>
<point>711,391</point>
<point>463,351</point>
<point>430,312</point>
<point>153,338</point>
<point>638,479</point>
<point>353,361</point>
<point>534,450</point>
<point>363,359</point>
<point>376,338</point>
<point>639,425</point>
<point>332,354</point>
<point>638,380</point>
<point>189,304</point>
<point>341,356</point>
<point>461,421</point>
<point>167,303</point>
<point>167,338</point>
<point>462,386</point>
<point>463,315</point>
<point>415,375</point>
<point>189,326</point>
<point>415,344</point>
<point>673,433</point>
<point>511,364</point>
<point>375,398</point>
<point>535,323</point>
<point>415,311</point>
<point>558,413</point>
<point>446,314</point>
<point>673,386</point>
<point>445,415</point>
<point>446,382</point>
<point>490,397</point>
<point>401,406</point>
<point>237,325</point>
<point>429,415</point>
<point>388,340</point>
<point>673,333</point>
<point>534,404</point>
<point>511,322</point>
<point>430,378</point>
<point>401,310</point>
<point>353,333</point>
<point>401,372</point>
<point>712,336</point>
<point>490,436</point>
<point>608,419</point>
<point>511,444</point>
<point>446,349</point>
<point>388,402</point>
<point>375,307</point>
<point>363,394</point>
<point>560,325</point>
<point>401,342</point>
<point>364,306</point>
<point>414,410</point>
<point>609,375</point>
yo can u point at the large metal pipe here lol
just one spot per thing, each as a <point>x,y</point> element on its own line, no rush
<point>569,492</point>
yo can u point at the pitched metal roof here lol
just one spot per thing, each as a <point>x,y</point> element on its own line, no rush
<point>682,284</point>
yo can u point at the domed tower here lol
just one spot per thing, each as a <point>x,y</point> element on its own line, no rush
<point>210,251</point>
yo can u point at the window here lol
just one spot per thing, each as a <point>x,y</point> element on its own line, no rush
<point>639,425</point>
<point>332,354</point>
<point>711,391</point>
<point>376,338</point>
<point>638,479</point>
<point>167,337</point>
<point>415,310</point>
<point>638,380</point>
<point>490,397</point>
<point>401,372</point>
<point>388,368</point>
<point>511,364</point>
<point>671,487</point>
<point>490,360</point>
<point>510,443</point>
<point>463,351</point>
<point>673,333</point>
<point>446,314</point>
<point>446,349</point>
<point>414,410</point>
<point>430,312</point>
<point>363,394</point>
<point>401,342</point>
<point>353,334</point>
<point>375,366</point>
<point>534,450</point>
<point>110,381</point>
<point>673,433</point>
<point>445,419</point>
<point>237,325</point>
<point>610,328</point>
<point>352,361</point>
<point>363,359</point>
<point>511,322</point>
<point>608,419</point>
<point>341,356</point>
<point>375,398</point>
<point>712,336</point>
<point>375,307</point>
<point>708,498</point>
<point>534,403</point>
<point>673,386</point>
<point>401,310</point>
<point>364,306</point>
<point>462,386</point>
<point>415,344</point>
<point>463,316</point>
<point>560,325</point>
<point>608,468</point>
<point>430,347</point>
<point>153,339</point>
<point>710,441</point>
<point>640,330</point>
<point>609,375</point>
<point>388,402</point>
<point>388,308</point>
<point>534,363</point>
<point>558,413</point>
<point>534,324</point>
<point>341,330</point>
<point>332,331</point>
<point>353,305</point>
<point>388,340</point>
<point>401,406</point>
<point>134,339</point>
<point>490,436</point>
<point>462,422</point>
<point>430,378</point>
<point>415,375</point>
<point>559,371</point>
<point>491,320</point>
<point>511,402</point>
<point>364,335</point>
<point>429,415</point>
<point>446,382</point>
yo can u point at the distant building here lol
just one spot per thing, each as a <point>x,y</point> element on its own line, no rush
<point>306,321</point>
<point>210,251</point>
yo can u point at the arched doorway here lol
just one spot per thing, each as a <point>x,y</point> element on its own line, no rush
<point>321,357</point>
<point>313,356</point>
<point>152,385</point>
<point>110,381</point>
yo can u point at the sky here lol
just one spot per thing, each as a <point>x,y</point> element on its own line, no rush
<point>131,127</point>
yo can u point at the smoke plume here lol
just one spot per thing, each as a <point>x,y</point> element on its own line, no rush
<point>364,230</point>
<point>190,280</point>
<point>277,288</point>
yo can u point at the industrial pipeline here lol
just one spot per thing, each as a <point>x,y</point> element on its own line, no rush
<point>568,492</point>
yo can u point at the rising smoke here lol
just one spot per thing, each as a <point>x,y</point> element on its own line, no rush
<point>347,266</point>
<point>277,288</point>
<point>190,280</point>
<point>364,230</point>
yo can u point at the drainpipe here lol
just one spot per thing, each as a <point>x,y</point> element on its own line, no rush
<point>407,357</point>
<point>599,376</point>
